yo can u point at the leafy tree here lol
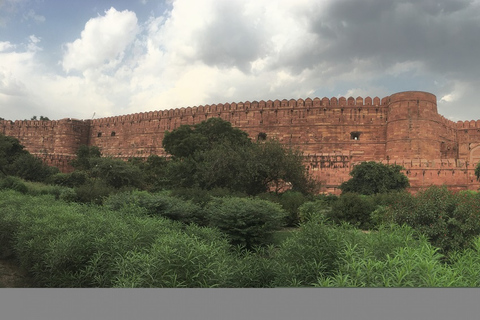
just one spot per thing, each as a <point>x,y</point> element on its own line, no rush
<point>354,209</point>
<point>16,161</point>
<point>116,173</point>
<point>10,149</point>
<point>477,171</point>
<point>85,157</point>
<point>212,155</point>
<point>154,171</point>
<point>31,168</point>
<point>42,118</point>
<point>186,140</point>
<point>374,177</point>
<point>281,165</point>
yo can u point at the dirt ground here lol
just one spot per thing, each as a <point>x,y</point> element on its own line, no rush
<point>11,276</point>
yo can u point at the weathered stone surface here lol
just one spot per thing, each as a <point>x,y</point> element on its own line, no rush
<point>334,134</point>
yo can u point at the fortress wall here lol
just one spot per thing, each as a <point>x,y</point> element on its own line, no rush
<point>36,136</point>
<point>457,175</point>
<point>48,137</point>
<point>316,126</point>
<point>334,134</point>
<point>55,142</point>
<point>468,133</point>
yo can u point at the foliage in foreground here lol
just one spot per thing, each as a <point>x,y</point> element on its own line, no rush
<point>247,222</point>
<point>71,245</point>
<point>449,220</point>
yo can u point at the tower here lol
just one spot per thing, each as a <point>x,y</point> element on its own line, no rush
<point>412,126</point>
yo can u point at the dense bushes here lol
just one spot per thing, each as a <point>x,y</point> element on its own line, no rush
<point>372,177</point>
<point>16,161</point>
<point>159,204</point>
<point>71,245</point>
<point>13,183</point>
<point>307,255</point>
<point>354,209</point>
<point>247,222</point>
<point>449,220</point>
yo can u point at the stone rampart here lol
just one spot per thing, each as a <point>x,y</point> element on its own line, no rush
<point>334,134</point>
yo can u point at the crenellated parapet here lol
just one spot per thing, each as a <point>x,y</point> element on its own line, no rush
<point>334,133</point>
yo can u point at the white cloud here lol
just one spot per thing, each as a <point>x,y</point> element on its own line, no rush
<point>102,42</point>
<point>6,45</point>
<point>217,51</point>
<point>32,15</point>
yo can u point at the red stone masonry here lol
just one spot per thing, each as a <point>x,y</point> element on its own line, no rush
<point>334,134</point>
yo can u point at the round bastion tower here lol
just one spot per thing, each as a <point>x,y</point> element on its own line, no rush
<point>412,126</point>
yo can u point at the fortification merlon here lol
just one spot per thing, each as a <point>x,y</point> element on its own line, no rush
<point>468,124</point>
<point>249,106</point>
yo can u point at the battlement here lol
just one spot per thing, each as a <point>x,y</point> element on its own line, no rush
<point>334,134</point>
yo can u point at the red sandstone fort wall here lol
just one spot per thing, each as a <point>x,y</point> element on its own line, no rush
<point>334,134</point>
<point>316,126</point>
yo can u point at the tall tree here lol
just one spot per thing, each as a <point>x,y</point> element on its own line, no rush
<point>85,157</point>
<point>213,154</point>
<point>374,177</point>
<point>16,161</point>
<point>186,140</point>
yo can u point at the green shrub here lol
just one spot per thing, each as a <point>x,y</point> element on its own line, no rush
<point>253,268</point>
<point>354,209</point>
<point>159,204</point>
<point>73,179</point>
<point>13,183</point>
<point>290,202</point>
<point>404,267</point>
<point>39,188</point>
<point>307,255</point>
<point>175,260</point>
<point>68,195</point>
<point>202,196</point>
<point>94,191</point>
<point>467,264</point>
<point>450,221</point>
<point>72,245</point>
<point>382,215</point>
<point>247,222</point>
<point>313,211</point>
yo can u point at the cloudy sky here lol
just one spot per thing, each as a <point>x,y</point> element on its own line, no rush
<point>78,59</point>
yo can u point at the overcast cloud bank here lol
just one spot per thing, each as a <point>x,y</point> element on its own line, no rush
<point>212,51</point>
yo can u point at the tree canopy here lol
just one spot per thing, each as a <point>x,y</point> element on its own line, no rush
<point>213,154</point>
<point>16,161</point>
<point>374,177</point>
<point>186,140</point>
<point>477,171</point>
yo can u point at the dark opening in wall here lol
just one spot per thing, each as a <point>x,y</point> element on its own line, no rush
<point>99,134</point>
<point>355,135</point>
<point>113,134</point>
<point>262,136</point>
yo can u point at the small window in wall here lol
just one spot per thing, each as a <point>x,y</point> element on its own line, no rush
<point>113,134</point>
<point>262,136</point>
<point>355,135</point>
<point>99,134</point>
